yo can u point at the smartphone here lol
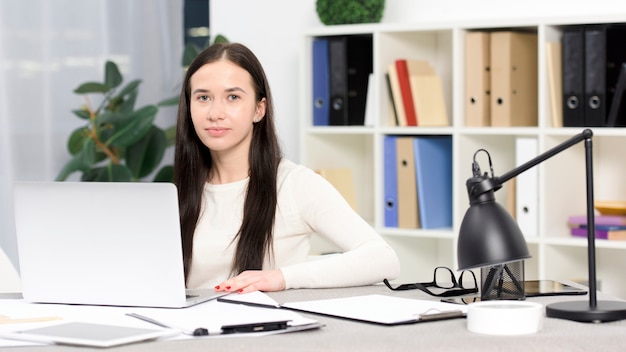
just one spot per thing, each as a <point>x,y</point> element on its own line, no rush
<point>532,288</point>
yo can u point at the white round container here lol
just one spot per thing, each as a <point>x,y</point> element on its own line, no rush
<point>505,317</point>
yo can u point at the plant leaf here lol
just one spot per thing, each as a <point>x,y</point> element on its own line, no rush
<point>189,53</point>
<point>108,173</point>
<point>145,156</point>
<point>81,161</point>
<point>75,164</point>
<point>128,104</point>
<point>107,117</point>
<point>170,135</point>
<point>76,140</point>
<point>169,101</point>
<point>132,87</point>
<point>112,75</point>
<point>129,130</point>
<point>91,87</point>
<point>89,153</point>
<point>220,39</point>
<point>166,174</point>
<point>82,113</point>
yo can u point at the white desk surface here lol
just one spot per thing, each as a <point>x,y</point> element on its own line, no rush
<point>345,335</point>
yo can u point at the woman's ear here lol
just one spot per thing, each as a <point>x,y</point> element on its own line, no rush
<point>259,113</point>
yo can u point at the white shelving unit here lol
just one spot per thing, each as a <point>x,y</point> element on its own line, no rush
<point>556,255</point>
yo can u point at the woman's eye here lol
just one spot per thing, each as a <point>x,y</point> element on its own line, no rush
<point>203,98</point>
<point>233,97</point>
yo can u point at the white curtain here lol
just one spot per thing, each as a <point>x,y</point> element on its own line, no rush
<point>47,49</point>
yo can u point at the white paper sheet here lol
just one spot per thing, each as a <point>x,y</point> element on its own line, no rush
<point>211,315</point>
<point>377,308</point>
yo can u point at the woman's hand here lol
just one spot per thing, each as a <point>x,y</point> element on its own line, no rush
<point>254,280</point>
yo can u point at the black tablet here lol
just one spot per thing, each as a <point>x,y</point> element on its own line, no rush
<point>534,288</point>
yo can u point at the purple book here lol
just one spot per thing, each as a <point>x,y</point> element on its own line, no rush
<point>600,234</point>
<point>599,220</point>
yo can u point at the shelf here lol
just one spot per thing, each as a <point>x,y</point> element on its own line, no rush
<point>561,179</point>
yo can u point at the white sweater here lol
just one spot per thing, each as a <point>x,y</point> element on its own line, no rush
<point>307,204</point>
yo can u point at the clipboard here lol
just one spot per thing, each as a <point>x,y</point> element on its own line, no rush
<point>375,308</point>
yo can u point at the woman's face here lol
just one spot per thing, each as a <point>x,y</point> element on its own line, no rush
<point>223,107</point>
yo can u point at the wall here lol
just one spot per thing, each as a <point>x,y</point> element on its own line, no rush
<point>273,28</point>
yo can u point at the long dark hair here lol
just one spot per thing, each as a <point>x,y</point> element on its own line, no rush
<point>192,163</point>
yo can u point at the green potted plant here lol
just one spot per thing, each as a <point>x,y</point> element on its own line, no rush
<point>119,142</point>
<point>332,12</point>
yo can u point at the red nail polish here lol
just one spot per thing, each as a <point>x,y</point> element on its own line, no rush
<point>240,290</point>
<point>217,287</point>
<point>228,287</point>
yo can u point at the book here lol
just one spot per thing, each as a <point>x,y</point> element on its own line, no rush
<point>428,99</point>
<point>393,114</point>
<point>600,234</point>
<point>477,79</point>
<point>426,94</point>
<point>350,64</point>
<point>603,56</point>
<point>359,68</point>
<point>321,78</point>
<point>617,113</point>
<point>402,70</point>
<point>599,220</point>
<point>594,82</point>
<point>408,212</point>
<point>514,97</point>
<point>433,165</point>
<point>391,182</point>
<point>572,43</point>
<point>555,84</point>
<point>341,178</point>
<point>605,227</point>
<point>396,95</point>
<point>370,114</point>
<point>338,81</point>
<point>526,187</point>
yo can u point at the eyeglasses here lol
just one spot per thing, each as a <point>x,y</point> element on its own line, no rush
<point>443,278</point>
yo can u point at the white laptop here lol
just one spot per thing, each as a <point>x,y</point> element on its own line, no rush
<point>103,243</point>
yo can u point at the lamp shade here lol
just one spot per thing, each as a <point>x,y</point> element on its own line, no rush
<point>489,236</point>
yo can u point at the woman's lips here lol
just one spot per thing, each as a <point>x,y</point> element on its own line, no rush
<point>217,131</point>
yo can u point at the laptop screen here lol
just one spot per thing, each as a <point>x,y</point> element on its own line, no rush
<point>99,243</point>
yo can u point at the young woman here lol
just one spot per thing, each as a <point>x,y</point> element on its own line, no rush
<point>247,214</point>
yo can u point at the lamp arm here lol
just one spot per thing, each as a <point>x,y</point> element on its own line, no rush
<point>585,134</point>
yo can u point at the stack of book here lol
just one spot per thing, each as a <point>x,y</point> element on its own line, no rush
<point>592,75</point>
<point>608,227</point>
<point>416,94</point>
<point>418,181</point>
<point>501,78</point>
<point>342,66</point>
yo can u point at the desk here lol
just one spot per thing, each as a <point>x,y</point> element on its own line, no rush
<point>344,335</point>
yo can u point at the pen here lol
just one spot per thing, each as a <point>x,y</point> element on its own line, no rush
<point>441,315</point>
<point>195,332</point>
<point>226,329</point>
<point>255,327</point>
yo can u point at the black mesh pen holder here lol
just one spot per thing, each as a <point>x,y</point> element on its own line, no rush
<point>502,281</point>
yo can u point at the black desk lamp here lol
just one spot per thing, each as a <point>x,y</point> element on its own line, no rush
<point>489,236</point>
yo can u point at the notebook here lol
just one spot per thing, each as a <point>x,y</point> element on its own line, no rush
<point>94,243</point>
